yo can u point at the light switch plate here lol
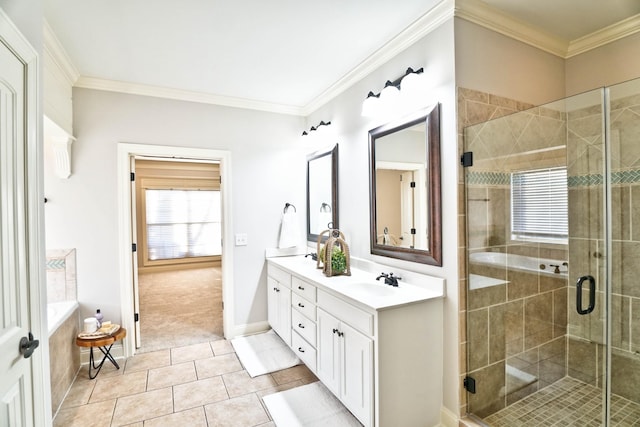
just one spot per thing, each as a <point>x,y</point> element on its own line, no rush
<point>241,239</point>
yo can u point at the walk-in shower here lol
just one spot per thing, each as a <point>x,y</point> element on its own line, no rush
<point>553,256</point>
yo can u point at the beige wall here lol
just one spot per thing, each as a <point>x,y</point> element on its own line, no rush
<point>490,62</point>
<point>607,65</point>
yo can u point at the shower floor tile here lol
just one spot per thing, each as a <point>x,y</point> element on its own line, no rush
<point>567,402</point>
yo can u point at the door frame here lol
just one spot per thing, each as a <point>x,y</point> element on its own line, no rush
<point>125,152</point>
<point>34,197</point>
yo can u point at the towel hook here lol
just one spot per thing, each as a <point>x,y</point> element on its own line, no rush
<point>287,206</point>
<point>325,207</point>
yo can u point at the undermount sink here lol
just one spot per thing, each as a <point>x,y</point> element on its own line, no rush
<point>372,288</point>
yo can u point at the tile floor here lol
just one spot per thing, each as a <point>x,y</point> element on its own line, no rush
<point>195,385</point>
<point>567,402</point>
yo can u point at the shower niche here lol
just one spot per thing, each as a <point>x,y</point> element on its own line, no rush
<point>553,311</point>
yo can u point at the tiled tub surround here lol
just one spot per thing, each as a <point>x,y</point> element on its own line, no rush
<point>63,320</point>
<point>550,347</point>
<point>61,275</point>
<point>64,361</point>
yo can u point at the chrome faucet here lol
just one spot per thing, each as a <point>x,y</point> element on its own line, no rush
<point>389,279</point>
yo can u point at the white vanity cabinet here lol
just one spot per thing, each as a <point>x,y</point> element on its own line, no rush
<point>379,353</point>
<point>345,364</point>
<point>303,321</point>
<point>279,302</point>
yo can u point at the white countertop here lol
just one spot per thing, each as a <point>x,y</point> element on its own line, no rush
<point>361,287</point>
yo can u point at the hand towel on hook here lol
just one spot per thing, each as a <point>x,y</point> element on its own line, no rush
<point>289,230</point>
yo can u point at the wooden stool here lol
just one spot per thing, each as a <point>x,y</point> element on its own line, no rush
<point>104,344</point>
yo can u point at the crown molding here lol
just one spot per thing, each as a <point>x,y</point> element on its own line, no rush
<point>184,95</point>
<point>606,35</point>
<point>493,19</point>
<point>414,32</point>
<point>58,55</point>
<point>474,11</point>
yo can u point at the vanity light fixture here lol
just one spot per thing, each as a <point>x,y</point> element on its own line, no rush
<point>317,128</point>
<point>411,81</point>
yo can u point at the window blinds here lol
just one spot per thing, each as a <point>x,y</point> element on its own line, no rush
<point>539,204</point>
<point>183,223</point>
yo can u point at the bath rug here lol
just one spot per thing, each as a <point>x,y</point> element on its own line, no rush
<point>310,405</point>
<point>264,353</point>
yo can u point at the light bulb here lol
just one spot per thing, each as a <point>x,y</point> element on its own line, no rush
<point>371,105</point>
<point>389,93</point>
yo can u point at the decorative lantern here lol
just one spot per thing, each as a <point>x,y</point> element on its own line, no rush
<point>334,257</point>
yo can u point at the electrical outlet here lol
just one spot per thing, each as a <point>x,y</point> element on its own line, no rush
<point>241,239</point>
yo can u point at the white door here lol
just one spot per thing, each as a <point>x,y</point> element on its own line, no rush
<point>407,202</point>
<point>19,277</point>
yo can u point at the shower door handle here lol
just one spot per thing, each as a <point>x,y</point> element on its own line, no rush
<point>592,294</point>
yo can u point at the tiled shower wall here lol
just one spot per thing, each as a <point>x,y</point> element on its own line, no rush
<point>517,341</point>
<point>473,107</point>
<point>586,349</point>
<point>545,344</point>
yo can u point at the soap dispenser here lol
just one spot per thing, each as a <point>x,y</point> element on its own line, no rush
<point>99,318</point>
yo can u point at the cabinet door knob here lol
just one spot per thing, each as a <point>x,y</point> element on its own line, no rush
<point>335,330</point>
<point>301,288</point>
<point>300,325</point>
<point>300,349</point>
<point>340,334</point>
<point>301,305</point>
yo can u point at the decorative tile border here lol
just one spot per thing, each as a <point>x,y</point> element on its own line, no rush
<point>488,178</point>
<point>503,178</point>
<point>625,176</point>
<point>584,180</point>
<point>56,264</point>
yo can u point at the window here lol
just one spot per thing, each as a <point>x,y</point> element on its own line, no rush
<point>183,223</point>
<point>539,205</point>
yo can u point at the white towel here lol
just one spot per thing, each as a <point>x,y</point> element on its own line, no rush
<point>289,231</point>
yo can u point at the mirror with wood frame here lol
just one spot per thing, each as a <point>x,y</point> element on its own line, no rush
<point>404,177</point>
<point>322,192</point>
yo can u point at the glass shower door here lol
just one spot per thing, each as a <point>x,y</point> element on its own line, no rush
<point>624,137</point>
<point>536,227</point>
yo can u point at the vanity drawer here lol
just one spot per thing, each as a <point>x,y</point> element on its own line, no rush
<point>304,289</point>
<point>279,275</point>
<point>353,316</point>
<point>303,306</point>
<point>304,351</point>
<point>305,327</point>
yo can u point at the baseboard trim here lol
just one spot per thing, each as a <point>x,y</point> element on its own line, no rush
<point>249,329</point>
<point>448,418</point>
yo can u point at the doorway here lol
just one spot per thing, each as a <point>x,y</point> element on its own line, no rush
<point>179,252</point>
<point>553,304</point>
<point>126,153</point>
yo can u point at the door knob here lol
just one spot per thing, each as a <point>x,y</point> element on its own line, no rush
<point>28,345</point>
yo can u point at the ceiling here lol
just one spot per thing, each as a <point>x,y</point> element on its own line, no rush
<point>279,52</point>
